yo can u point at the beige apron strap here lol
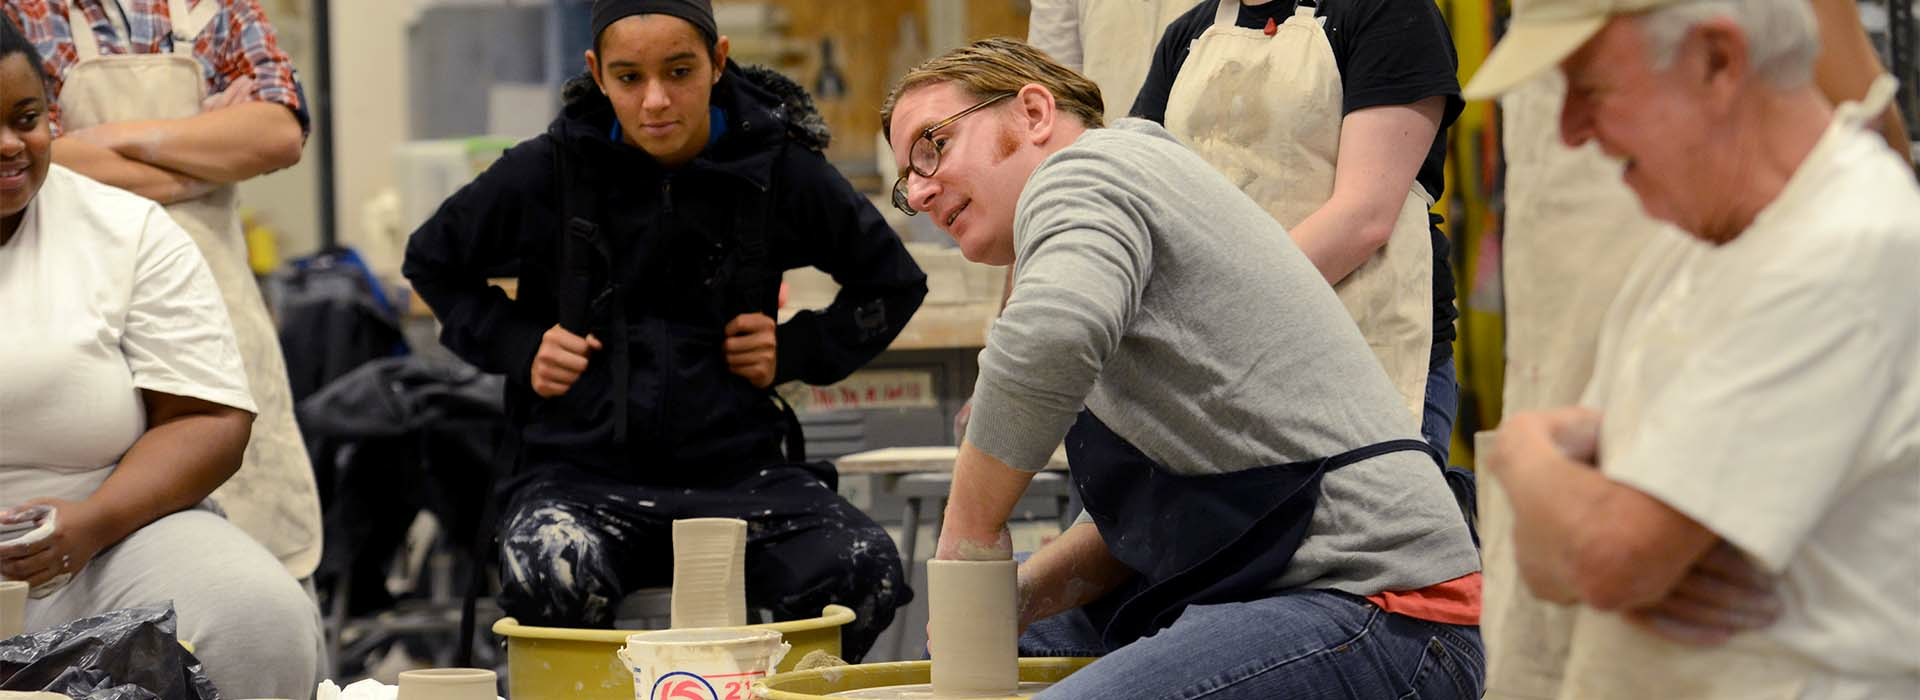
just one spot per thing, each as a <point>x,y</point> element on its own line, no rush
<point>85,46</point>
<point>1879,96</point>
<point>1226,13</point>
<point>188,23</point>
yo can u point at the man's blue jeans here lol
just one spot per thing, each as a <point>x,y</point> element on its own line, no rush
<point>1443,405</point>
<point>1299,645</point>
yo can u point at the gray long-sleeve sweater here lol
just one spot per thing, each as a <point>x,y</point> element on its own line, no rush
<point>1150,290</point>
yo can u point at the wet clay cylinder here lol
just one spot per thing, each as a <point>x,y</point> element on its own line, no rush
<point>13,608</point>
<point>709,572</point>
<point>973,625</point>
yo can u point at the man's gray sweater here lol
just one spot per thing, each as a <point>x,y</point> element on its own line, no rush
<point>1151,291</point>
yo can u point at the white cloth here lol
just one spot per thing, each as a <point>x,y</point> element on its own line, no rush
<point>1769,388</point>
<point>104,295</point>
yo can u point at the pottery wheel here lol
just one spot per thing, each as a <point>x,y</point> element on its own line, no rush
<point>924,691</point>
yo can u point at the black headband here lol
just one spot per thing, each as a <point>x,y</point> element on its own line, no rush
<point>699,13</point>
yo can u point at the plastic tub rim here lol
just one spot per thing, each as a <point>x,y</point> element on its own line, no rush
<point>831,616</point>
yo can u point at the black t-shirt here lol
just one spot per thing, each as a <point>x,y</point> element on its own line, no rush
<point>1389,52</point>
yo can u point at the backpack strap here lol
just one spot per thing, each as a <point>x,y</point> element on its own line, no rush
<point>585,291</point>
<point>754,288</point>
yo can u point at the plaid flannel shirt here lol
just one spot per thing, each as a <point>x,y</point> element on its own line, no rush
<point>237,43</point>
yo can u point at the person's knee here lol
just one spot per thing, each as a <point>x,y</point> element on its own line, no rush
<point>261,638</point>
<point>866,554</point>
<point>554,569</point>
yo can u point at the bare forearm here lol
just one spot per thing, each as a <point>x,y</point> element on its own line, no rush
<point>173,466</point>
<point>1381,151</point>
<point>1548,506</point>
<point>1578,535</point>
<point>106,165</point>
<point>1338,240</point>
<point>1073,570</point>
<point>225,145</point>
<point>984,493</point>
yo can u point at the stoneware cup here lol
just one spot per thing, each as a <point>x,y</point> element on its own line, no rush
<point>973,619</point>
<point>13,608</point>
<point>448,684</point>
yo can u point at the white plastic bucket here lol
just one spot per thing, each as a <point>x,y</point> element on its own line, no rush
<point>701,664</point>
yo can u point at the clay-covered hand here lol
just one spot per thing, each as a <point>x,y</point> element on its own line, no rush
<point>75,540</point>
<point>560,360</point>
<point>1033,602</point>
<point>963,547</point>
<point>1724,594</point>
<point>1576,433</point>
<point>1528,437</point>
<point>750,348</point>
<point>237,92</point>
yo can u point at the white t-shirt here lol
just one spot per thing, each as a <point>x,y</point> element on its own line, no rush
<point>1769,388</point>
<point>102,295</point>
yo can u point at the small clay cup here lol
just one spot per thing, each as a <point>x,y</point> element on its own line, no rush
<point>448,684</point>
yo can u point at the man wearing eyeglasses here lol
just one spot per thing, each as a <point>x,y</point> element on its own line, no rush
<point>649,227</point>
<point>1259,502</point>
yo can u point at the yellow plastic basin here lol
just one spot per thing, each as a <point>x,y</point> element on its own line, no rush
<point>545,663</point>
<point>817,683</point>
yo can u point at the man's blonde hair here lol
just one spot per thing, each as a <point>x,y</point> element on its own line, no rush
<point>990,67</point>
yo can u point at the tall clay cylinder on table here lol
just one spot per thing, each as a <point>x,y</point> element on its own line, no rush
<point>973,627</point>
<point>13,608</point>
<point>709,572</point>
<point>448,684</point>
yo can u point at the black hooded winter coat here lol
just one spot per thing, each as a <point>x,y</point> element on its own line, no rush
<point>650,260</point>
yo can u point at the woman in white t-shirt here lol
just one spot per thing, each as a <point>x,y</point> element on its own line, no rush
<point>123,404</point>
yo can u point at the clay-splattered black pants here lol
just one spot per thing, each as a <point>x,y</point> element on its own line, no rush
<point>572,546</point>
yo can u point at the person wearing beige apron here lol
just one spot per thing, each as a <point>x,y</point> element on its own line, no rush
<point>1332,121</point>
<point>1747,399</point>
<point>1106,40</point>
<point>273,496</point>
<point>1571,231</point>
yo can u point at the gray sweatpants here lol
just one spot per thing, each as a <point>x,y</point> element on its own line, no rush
<point>255,628</point>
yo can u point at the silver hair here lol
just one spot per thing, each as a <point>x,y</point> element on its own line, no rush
<point>1783,39</point>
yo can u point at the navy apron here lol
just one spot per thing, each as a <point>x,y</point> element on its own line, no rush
<point>1193,540</point>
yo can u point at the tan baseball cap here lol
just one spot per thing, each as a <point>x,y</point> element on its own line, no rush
<point>1544,33</point>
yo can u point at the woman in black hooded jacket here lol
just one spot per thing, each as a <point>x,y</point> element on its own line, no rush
<point>648,229</point>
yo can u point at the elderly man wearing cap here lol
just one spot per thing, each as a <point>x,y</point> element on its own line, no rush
<point>1754,378</point>
<point>649,228</point>
<point>1570,230</point>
